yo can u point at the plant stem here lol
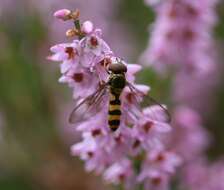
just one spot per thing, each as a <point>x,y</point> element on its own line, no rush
<point>78,27</point>
<point>137,162</point>
<point>119,187</point>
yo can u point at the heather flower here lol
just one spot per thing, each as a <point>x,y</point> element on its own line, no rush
<point>181,39</point>
<point>150,131</point>
<point>188,90</point>
<point>120,172</point>
<point>94,45</point>
<point>79,60</point>
<point>188,134</point>
<point>181,36</point>
<point>66,51</point>
<point>81,81</point>
<point>154,179</point>
<point>202,175</point>
<point>88,150</point>
<point>163,160</point>
<point>102,12</point>
<point>63,14</point>
<point>84,67</point>
<point>157,168</point>
<point>132,70</point>
<point>87,27</point>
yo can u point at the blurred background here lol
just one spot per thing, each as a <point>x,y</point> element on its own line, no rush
<point>34,134</point>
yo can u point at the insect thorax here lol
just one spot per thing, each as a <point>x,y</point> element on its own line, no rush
<point>117,83</point>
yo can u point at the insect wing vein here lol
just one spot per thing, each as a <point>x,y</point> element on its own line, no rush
<point>88,107</point>
<point>138,96</point>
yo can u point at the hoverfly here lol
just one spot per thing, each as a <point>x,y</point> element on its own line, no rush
<point>114,86</point>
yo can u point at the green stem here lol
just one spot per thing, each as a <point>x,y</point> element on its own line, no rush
<point>119,187</point>
<point>140,187</point>
<point>137,162</point>
<point>78,27</point>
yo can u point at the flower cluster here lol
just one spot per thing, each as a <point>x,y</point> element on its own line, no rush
<point>203,175</point>
<point>102,12</point>
<point>188,134</point>
<point>135,153</point>
<point>181,35</point>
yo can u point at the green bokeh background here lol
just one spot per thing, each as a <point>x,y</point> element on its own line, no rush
<point>33,155</point>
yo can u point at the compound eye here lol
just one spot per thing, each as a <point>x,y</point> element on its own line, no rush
<point>117,68</point>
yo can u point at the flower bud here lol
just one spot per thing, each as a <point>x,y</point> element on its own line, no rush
<point>63,14</point>
<point>72,32</point>
<point>75,14</point>
<point>87,27</point>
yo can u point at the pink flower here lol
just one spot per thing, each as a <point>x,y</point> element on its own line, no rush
<point>62,14</point>
<point>63,52</point>
<point>94,43</point>
<point>129,101</point>
<point>202,175</point>
<point>163,160</point>
<point>181,36</point>
<point>132,70</point>
<point>81,81</point>
<point>87,27</point>
<point>196,86</point>
<point>120,172</point>
<point>154,179</point>
<point>96,159</point>
<point>188,126</point>
<point>84,68</point>
<point>149,131</point>
<point>157,168</point>
<point>182,40</point>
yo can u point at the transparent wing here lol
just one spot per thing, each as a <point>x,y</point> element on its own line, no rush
<point>89,106</point>
<point>156,111</point>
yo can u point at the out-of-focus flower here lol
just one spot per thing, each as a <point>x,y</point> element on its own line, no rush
<point>181,36</point>
<point>181,39</point>
<point>84,64</point>
<point>163,160</point>
<point>202,175</point>
<point>120,172</point>
<point>157,168</point>
<point>188,89</point>
<point>188,134</point>
<point>8,7</point>
<point>154,179</point>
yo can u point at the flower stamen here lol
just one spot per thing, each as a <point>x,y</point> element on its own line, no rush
<point>96,132</point>
<point>156,181</point>
<point>71,52</point>
<point>94,41</point>
<point>78,77</point>
<point>148,125</point>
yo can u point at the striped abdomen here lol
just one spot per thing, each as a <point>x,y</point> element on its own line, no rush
<point>114,111</point>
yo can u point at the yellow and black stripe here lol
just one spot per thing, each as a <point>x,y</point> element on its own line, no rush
<point>114,111</point>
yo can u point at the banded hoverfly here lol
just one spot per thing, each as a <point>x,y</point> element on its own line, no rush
<point>113,87</point>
